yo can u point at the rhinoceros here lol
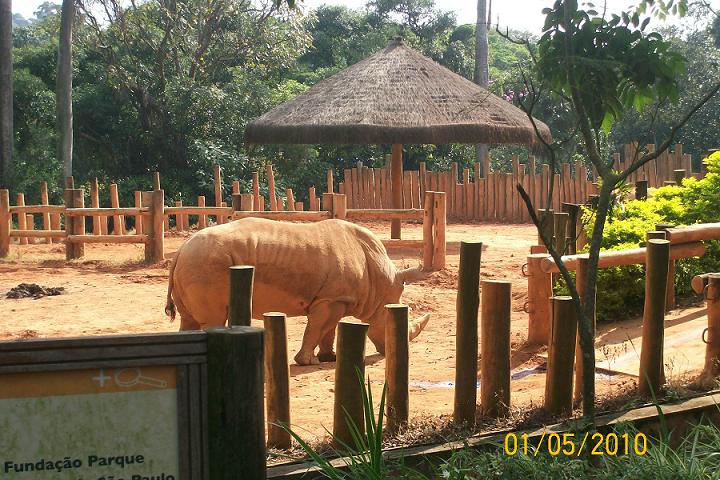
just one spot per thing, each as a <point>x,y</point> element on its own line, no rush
<point>325,271</point>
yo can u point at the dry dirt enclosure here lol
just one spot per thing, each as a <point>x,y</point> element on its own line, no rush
<point>113,292</point>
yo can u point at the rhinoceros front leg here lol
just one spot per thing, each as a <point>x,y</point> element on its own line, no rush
<point>323,316</point>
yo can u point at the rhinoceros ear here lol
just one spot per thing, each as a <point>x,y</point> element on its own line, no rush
<point>413,274</point>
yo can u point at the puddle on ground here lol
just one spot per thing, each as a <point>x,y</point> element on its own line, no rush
<point>525,372</point>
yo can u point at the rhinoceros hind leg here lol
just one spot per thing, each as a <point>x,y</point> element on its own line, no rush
<point>326,353</point>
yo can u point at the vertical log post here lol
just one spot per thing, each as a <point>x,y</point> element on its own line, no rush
<point>670,289</point>
<point>241,291</point>
<point>580,283</point>
<point>678,176</point>
<point>30,221</point>
<point>156,181</point>
<point>573,211</point>
<point>495,348</point>
<point>339,206</point>
<point>157,216</point>
<point>428,245</point>
<point>179,218</point>
<point>641,189</point>
<point>290,200</point>
<point>348,403</point>
<point>74,198</point>
<point>311,199</point>
<point>44,200</point>
<point>271,188</point>
<point>397,360</point>
<point>539,293</point>
<point>653,332</point>
<point>330,182</point>
<point>118,220</point>
<point>5,222</point>
<point>547,225</point>
<point>236,202</point>
<point>439,223</point>
<point>397,192</point>
<point>255,191</point>
<point>277,379</point>
<point>246,202</point>
<point>138,218</point>
<point>712,338</point>
<point>218,186</point>
<point>202,218</point>
<point>466,333</point>
<point>22,220</point>
<point>236,426</point>
<point>559,379</point>
<point>95,203</point>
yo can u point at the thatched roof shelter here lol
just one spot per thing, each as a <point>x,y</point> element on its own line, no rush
<point>395,96</point>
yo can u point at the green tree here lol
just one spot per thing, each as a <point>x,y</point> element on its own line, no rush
<point>603,67</point>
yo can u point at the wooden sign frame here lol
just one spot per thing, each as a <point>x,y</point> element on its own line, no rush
<point>187,351</point>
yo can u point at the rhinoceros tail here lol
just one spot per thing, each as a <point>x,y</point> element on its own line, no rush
<point>169,304</point>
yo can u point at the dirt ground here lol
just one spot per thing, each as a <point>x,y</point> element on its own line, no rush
<point>113,292</point>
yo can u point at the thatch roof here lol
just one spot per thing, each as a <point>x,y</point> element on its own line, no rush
<point>395,96</point>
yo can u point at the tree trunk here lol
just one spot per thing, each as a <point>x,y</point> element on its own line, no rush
<point>481,64</point>
<point>6,92</point>
<point>64,87</point>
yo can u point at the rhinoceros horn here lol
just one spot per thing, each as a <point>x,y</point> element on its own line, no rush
<point>412,274</point>
<point>416,326</point>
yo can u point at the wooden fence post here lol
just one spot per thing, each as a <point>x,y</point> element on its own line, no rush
<point>277,379</point>
<point>573,210</point>
<point>154,225</point>
<point>466,333</point>
<point>156,181</point>
<point>397,360</point>
<point>428,230</point>
<point>95,203</point>
<point>118,220</point>
<point>74,198</point>
<point>348,403</point>
<point>339,205</point>
<point>271,188</point>
<point>670,289</point>
<point>580,283</point>
<point>246,202</point>
<point>22,220</point>
<point>202,218</point>
<point>653,332</point>
<point>5,222</point>
<point>236,426</point>
<point>439,223</point>
<point>712,340</point>
<point>241,291</point>
<point>30,222</point>
<point>547,225</point>
<point>138,218</point>
<point>45,216</point>
<point>641,189</point>
<point>217,185</point>
<point>495,348</point>
<point>327,199</point>
<point>179,218</point>
<point>539,293</point>
<point>678,176</point>
<point>311,199</point>
<point>559,379</point>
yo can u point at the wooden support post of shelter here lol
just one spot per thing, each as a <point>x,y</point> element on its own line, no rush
<point>466,333</point>
<point>495,348</point>
<point>397,192</point>
<point>255,191</point>
<point>277,380</point>
<point>236,427</point>
<point>397,360</point>
<point>653,332</point>
<point>559,379</point>
<point>5,223</point>
<point>348,403</point>
<point>241,290</point>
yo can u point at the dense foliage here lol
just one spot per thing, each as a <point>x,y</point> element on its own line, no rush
<point>171,85</point>
<point>621,289</point>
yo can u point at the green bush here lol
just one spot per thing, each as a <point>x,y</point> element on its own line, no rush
<point>621,289</point>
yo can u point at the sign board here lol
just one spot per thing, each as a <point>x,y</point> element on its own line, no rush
<point>104,408</point>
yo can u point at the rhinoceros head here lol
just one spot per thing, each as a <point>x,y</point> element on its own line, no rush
<point>377,320</point>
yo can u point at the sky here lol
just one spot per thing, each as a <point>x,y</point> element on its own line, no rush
<point>514,14</point>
